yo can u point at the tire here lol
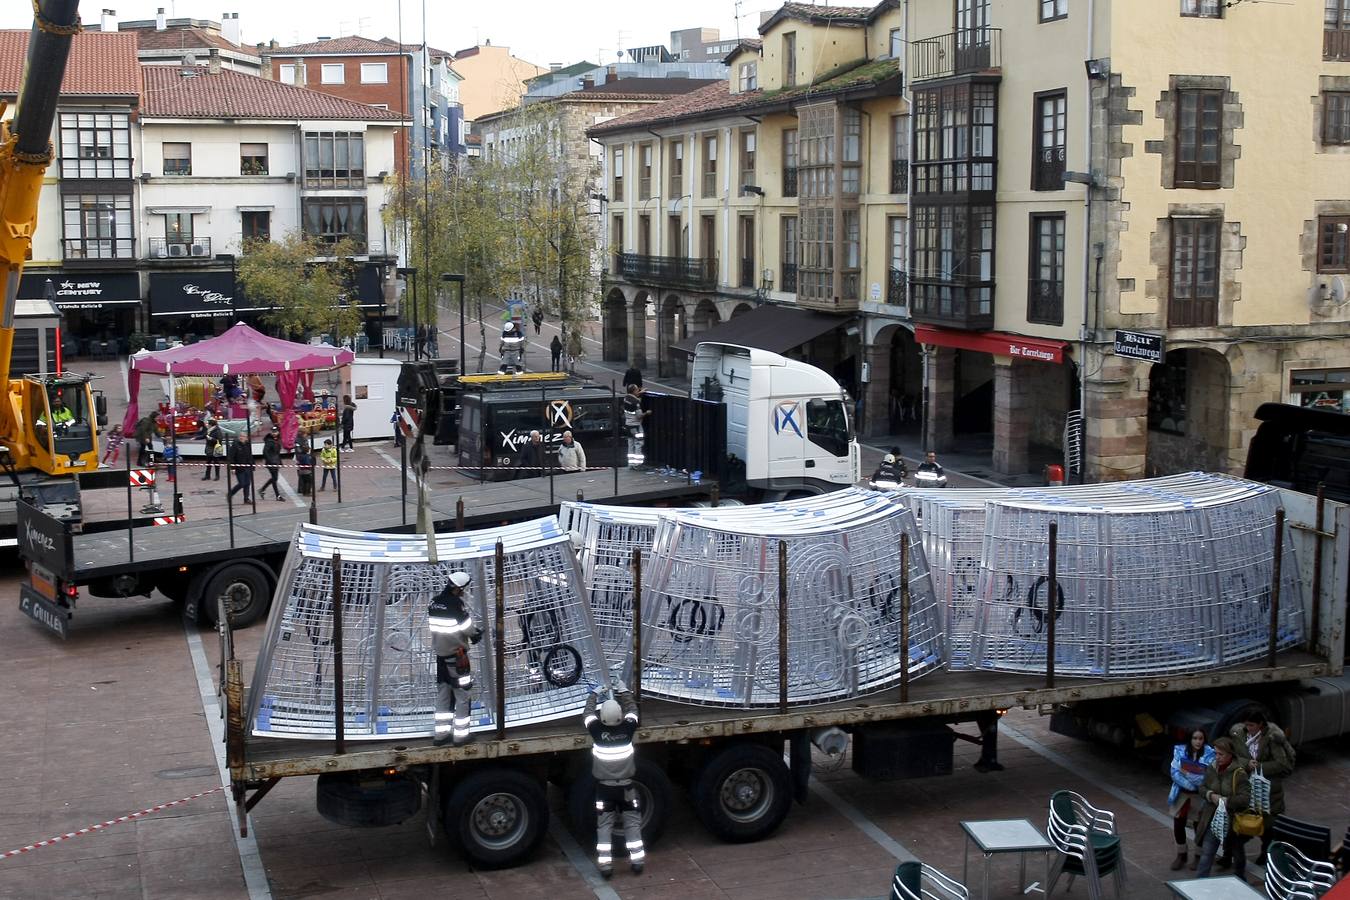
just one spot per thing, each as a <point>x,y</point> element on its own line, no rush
<point>347,799</point>
<point>500,816</point>
<point>743,793</point>
<point>655,796</point>
<point>248,587</point>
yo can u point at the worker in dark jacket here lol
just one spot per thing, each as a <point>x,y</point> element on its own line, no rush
<point>530,463</point>
<point>452,632</point>
<point>241,460</point>
<point>1226,780</point>
<point>215,448</point>
<point>889,474</point>
<point>272,460</point>
<point>614,763</point>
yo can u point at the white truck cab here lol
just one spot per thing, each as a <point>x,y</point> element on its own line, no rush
<point>788,420</point>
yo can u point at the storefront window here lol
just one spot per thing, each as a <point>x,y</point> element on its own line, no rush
<point>1321,389</point>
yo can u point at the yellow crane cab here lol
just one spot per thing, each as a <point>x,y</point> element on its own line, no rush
<point>59,419</point>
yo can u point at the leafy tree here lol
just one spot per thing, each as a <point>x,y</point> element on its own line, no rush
<point>310,285</point>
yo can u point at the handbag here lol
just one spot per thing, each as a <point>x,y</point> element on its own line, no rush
<point>1247,824</point>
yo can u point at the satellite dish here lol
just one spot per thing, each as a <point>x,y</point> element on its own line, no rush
<point>1340,289</point>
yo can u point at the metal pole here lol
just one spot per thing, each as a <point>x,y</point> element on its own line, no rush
<point>1051,604</point>
<point>782,628</point>
<point>229,495</point>
<point>417,336</point>
<point>461,325</point>
<point>714,496</point>
<point>1316,624</point>
<point>904,618</point>
<point>543,398</point>
<point>337,439</point>
<point>459,514</point>
<point>637,624</point>
<point>499,639</point>
<point>620,446</point>
<point>1275,567</point>
<point>339,703</point>
<point>313,489</point>
<point>248,436</point>
<point>174,505</point>
<point>403,473</point>
<point>131,528</point>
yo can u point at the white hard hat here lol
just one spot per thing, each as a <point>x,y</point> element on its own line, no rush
<point>510,326</point>
<point>460,579</point>
<point>889,457</point>
<point>610,712</point>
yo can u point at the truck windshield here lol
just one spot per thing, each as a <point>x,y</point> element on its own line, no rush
<point>827,426</point>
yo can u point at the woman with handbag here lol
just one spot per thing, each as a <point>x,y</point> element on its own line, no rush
<point>1226,794</point>
<point>1262,747</point>
<point>1189,761</point>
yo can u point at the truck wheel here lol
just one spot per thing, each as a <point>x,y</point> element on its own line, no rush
<point>246,590</point>
<point>1230,714</point>
<point>345,798</point>
<point>743,793</point>
<point>500,816</point>
<point>654,799</point>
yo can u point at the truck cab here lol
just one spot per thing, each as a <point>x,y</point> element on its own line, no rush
<point>788,420</point>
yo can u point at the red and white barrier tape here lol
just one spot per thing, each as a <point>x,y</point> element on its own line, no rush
<point>101,825</point>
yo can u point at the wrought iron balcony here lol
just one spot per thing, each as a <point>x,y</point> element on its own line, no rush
<point>899,176</point>
<point>180,248</point>
<point>98,248</point>
<point>953,301</point>
<point>748,273</point>
<point>1048,174</point>
<point>1045,301</point>
<point>896,293</point>
<point>964,52</point>
<point>789,284</point>
<point>693,273</point>
<point>790,181</point>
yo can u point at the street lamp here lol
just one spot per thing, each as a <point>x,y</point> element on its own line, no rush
<point>409,275</point>
<point>459,280</point>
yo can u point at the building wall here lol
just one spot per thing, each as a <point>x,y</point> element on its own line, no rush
<point>394,92</point>
<point>819,49</point>
<point>493,80</point>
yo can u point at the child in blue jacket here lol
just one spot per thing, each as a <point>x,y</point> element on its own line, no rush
<point>1189,761</point>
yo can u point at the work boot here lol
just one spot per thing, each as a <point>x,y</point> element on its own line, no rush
<point>606,871</point>
<point>442,740</point>
<point>637,868</point>
<point>1180,860</point>
<point>461,741</point>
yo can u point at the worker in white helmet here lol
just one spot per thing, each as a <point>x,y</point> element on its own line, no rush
<point>614,764</point>
<point>452,631</point>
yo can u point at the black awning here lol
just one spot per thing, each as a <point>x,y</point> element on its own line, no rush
<point>773,328</point>
<point>83,290</point>
<point>198,295</point>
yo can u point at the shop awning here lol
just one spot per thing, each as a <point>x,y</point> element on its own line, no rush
<point>83,290</point>
<point>198,295</point>
<point>773,328</point>
<point>993,342</point>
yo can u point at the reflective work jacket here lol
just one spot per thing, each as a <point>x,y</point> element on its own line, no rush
<point>452,631</point>
<point>612,757</point>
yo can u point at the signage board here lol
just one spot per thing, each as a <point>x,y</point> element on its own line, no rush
<point>1139,345</point>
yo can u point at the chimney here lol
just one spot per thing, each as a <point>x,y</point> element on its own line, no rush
<point>159,19</point>
<point>587,83</point>
<point>229,27</point>
<point>301,76</point>
<point>265,61</point>
<point>611,74</point>
<point>213,61</point>
<point>109,20</point>
<point>553,67</point>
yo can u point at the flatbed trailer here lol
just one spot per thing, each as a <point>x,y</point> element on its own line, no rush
<point>195,560</point>
<point>733,761</point>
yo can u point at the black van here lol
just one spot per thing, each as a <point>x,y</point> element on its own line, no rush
<point>495,425</point>
<point>1300,448</point>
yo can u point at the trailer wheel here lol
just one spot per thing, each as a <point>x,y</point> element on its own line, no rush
<point>500,816</point>
<point>743,793</point>
<point>345,798</point>
<point>246,589</point>
<point>1230,714</point>
<point>655,796</point>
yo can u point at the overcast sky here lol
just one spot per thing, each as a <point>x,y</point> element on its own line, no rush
<point>540,31</point>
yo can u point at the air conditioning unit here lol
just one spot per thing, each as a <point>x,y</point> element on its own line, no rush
<point>159,252</point>
<point>198,249</point>
<point>178,250</point>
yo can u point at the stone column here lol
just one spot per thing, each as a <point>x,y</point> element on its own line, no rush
<point>1116,418</point>
<point>1012,416</point>
<point>940,377</point>
<point>637,332</point>
<point>877,391</point>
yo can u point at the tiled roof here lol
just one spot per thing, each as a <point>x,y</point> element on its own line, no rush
<point>717,99</point>
<point>186,39</point>
<point>810,12</point>
<point>644,87</point>
<point>101,64</point>
<point>745,44</point>
<point>353,44</point>
<point>227,94</point>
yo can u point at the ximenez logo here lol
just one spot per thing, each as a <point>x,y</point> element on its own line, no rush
<point>37,539</point>
<point>208,296</point>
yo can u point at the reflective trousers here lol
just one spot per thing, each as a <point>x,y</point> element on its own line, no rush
<point>452,711</point>
<point>611,798</point>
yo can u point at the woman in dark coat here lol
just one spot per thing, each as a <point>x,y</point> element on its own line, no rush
<point>1226,780</point>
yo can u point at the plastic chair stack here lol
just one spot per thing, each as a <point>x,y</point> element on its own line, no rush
<point>916,881</point>
<point>1292,876</point>
<point>1087,843</point>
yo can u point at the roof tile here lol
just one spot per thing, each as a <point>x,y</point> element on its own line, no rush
<point>352,44</point>
<point>227,94</point>
<point>101,64</point>
<point>187,39</point>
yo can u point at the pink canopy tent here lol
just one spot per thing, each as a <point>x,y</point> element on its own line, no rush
<point>240,351</point>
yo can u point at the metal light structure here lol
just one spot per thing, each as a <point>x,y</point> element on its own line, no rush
<point>548,647</point>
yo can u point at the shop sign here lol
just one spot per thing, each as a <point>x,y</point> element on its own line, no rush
<point>1139,345</point>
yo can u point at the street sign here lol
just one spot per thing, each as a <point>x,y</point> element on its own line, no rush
<point>875,290</point>
<point>1139,345</point>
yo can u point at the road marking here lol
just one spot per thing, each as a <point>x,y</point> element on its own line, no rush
<point>1064,762</point>
<point>861,822</point>
<point>582,862</point>
<point>250,860</point>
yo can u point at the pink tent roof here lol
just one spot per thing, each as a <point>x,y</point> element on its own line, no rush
<point>241,351</point>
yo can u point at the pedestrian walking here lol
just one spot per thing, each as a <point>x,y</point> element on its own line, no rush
<point>632,377</point>
<point>241,461</point>
<point>555,347</point>
<point>1225,783</point>
<point>530,463</point>
<point>571,455</point>
<point>613,764</point>
<point>537,317</point>
<point>1261,745</point>
<point>328,461</point>
<point>113,445</point>
<point>144,433</point>
<point>452,632</point>
<point>1189,762</point>
<point>304,466</point>
<point>348,423</point>
<point>272,460</point>
<point>215,448</point>
<point>575,350</point>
